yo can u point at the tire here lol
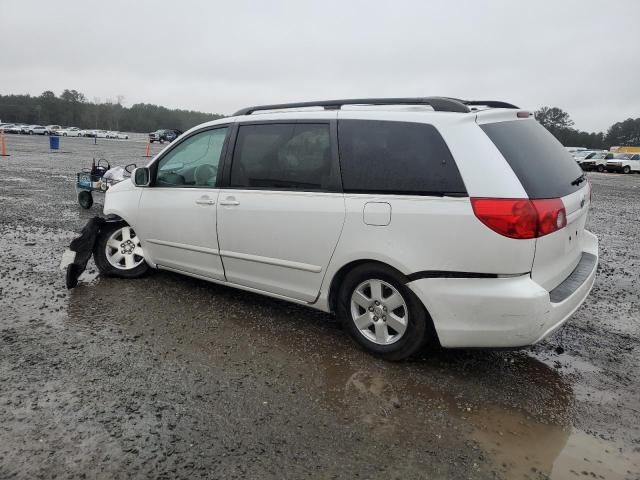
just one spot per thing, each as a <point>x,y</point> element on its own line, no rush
<point>357,299</point>
<point>626,169</point>
<point>114,233</point>
<point>600,168</point>
<point>85,199</point>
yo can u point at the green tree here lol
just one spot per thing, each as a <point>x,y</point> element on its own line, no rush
<point>625,133</point>
<point>72,108</point>
<point>553,119</point>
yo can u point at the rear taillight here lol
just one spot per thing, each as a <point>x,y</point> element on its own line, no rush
<point>520,218</point>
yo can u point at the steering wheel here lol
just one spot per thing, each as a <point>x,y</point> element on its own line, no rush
<point>204,174</point>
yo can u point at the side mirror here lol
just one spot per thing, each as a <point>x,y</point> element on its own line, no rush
<point>141,177</point>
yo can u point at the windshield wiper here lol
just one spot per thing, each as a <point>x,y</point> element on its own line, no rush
<point>579,180</point>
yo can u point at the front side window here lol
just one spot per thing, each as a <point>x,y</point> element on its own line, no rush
<point>283,156</point>
<point>396,158</point>
<point>194,162</point>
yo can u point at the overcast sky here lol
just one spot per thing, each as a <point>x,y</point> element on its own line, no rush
<point>214,56</point>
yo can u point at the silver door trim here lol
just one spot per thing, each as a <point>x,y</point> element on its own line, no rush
<point>183,246</point>
<point>272,261</point>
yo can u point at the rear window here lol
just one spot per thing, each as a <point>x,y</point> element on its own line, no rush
<point>540,162</point>
<point>396,158</point>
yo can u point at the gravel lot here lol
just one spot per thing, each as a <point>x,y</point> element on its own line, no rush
<point>171,377</point>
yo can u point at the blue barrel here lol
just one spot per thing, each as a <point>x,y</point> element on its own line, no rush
<point>54,142</point>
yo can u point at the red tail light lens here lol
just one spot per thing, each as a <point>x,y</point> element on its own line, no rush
<point>551,215</point>
<point>520,218</point>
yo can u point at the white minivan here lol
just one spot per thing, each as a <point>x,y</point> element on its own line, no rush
<point>415,220</point>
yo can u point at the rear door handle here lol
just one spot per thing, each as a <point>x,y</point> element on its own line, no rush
<point>229,201</point>
<point>205,201</point>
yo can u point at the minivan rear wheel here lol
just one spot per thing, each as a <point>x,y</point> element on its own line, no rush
<point>382,314</point>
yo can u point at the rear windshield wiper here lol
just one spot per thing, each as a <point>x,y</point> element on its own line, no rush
<point>579,180</point>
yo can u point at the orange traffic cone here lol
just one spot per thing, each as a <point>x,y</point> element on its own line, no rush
<point>3,146</point>
<point>148,152</point>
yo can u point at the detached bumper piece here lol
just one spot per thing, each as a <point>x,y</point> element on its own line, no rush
<point>83,247</point>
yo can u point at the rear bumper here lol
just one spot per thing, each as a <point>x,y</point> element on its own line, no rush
<point>505,312</point>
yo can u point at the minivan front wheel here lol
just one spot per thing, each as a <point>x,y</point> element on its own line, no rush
<point>118,252</point>
<point>382,314</point>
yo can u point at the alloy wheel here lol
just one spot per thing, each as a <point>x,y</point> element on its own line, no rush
<point>123,249</point>
<point>379,312</point>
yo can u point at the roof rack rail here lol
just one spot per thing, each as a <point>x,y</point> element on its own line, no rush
<point>439,104</point>
<point>487,103</point>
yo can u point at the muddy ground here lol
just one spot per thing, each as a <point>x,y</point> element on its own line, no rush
<point>171,377</point>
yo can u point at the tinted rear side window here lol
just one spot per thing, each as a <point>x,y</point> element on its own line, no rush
<point>283,156</point>
<point>396,157</point>
<point>545,169</point>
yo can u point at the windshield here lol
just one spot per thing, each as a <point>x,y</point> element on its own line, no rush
<point>598,156</point>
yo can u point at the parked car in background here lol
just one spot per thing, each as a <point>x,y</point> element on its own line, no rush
<point>164,135</point>
<point>69,132</point>
<point>585,154</point>
<point>88,133</point>
<point>101,133</point>
<point>15,129</point>
<point>624,162</point>
<point>117,135</point>
<point>53,129</point>
<point>597,162</point>
<point>37,130</point>
<point>268,203</point>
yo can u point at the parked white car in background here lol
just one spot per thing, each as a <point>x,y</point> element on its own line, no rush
<point>117,135</point>
<point>597,162</point>
<point>53,129</point>
<point>37,130</point>
<point>70,132</point>
<point>585,154</point>
<point>624,162</point>
<point>431,222</point>
<point>14,128</point>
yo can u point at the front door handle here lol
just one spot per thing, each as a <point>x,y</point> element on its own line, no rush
<point>205,201</point>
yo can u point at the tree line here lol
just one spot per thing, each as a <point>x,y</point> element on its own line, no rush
<point>560,124</point>
<point>72,108</point>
